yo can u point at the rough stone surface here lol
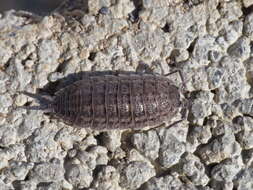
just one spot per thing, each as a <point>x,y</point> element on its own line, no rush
<point>135,174</point>
<point>168,182</point>
<point>148,143</point>
<point>194,170</point>
<point>212,148</point>
<point>173,144</point>
<point>107,178</point>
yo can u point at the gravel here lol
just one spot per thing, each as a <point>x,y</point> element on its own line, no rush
<point>212,148</point>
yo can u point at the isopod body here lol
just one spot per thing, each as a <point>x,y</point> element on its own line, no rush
<point>115,101</point>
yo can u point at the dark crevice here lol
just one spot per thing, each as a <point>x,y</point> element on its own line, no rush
<point>209,169</point>
<point>175,53</point>
<point>17,183</point>
<point>219,6</point>
<point>167,28</point>
<point>92,56</point>
<point>134,15</point>
<point>191,46</point>
<point>247,10</point>
<point>28,104</point>
<point>5,67</point>
<point>238,120</point>
<point>191,3</point>
<point>62,67</point>
<point>44,184</point>
<point>251,47</point>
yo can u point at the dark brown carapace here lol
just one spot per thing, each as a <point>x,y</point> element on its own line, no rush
<point>114,101</point>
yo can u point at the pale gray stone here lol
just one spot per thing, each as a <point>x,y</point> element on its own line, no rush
<point>41,147</point>
<point>147,143</point>
<point>220,148</point>
<point>247,3</point>
<point>215,76</point>
<point>232,11</point>
<point>168,182</point>
<point>221,185</point>
<point>246,106</point>
<point>122,9</point>
<point>244,180</point>
<point>49,54</point>
<point>4,78</point>
<point>6,187</point>
<point>233,31</point>
<point>215,56</point>
<point>172,144</point>
<point>148,44</point>
<point>245,137</point>
<point>79,175</point>
<point>234,85</point>
<point>198,135</point>
<point>192,167</point>
<point>240,49</point>
<point>23,75</point>
<point>201,107</point>
<point>112,140</point>
<point>227,170</point>
<point>107,178</point>
<point>8,135</point>
<point>15,171</point>
<point>47,172</point>
<point>100,153</point>
<point>5,102</point>
<point>135,174</point>
<point>201,49</point>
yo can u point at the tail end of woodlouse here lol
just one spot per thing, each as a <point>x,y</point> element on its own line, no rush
<point>45,102</point>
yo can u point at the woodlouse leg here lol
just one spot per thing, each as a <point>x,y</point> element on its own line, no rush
<point>180,74</point>
<point>165,126</point>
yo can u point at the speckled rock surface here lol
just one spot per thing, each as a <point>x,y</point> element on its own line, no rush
<point>211,149</point>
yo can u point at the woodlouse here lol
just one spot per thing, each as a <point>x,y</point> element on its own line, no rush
<point>115,101</point>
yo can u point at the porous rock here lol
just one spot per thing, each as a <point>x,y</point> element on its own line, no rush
<point>135,174</point>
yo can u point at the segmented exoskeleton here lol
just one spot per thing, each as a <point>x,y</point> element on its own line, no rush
<point>115,101</point>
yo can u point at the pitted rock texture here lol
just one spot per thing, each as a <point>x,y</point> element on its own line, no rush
<point>210,42</point>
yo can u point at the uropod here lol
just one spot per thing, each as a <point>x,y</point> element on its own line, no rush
<point>114,101</point>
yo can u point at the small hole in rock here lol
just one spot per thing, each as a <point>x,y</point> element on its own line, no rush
<point>167,28</point>
<point>92,56</point>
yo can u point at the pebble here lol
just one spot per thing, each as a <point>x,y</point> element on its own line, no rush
<point>220,148</point>
<point>193,169</point>
<point>147,143</point>
<point>107,178</point>
<point>172,144</point>
<point>240,49</point>
<point>135,174</point>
